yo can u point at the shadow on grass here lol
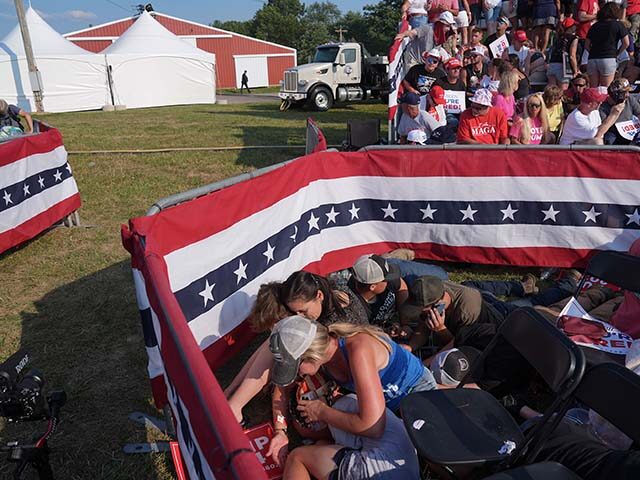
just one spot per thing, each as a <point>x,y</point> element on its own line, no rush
<point>86,337</point>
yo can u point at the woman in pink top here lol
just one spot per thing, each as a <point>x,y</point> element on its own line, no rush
<point>532,127</point>
<point>504,99</point>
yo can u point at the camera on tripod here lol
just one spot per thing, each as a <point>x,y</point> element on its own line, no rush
<point>22,398</point>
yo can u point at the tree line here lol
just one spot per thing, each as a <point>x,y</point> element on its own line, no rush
<point>305,26</point>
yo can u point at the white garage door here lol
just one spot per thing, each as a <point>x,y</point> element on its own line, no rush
<point>257,70</point>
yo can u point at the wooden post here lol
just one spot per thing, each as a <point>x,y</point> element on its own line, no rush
<point>34,74</point>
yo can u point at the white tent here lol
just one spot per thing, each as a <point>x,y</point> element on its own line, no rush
<point>72,78</point>
<point>150,66</point>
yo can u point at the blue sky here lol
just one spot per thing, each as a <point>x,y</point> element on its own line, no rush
<point>69,15</point>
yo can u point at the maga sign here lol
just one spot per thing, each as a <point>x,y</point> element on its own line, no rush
<point>456,102</point>
<point>260,437</point>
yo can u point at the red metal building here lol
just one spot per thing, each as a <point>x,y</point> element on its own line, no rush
<point>264,61</point>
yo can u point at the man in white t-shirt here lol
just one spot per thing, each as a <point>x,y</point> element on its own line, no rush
<point>584,125</point>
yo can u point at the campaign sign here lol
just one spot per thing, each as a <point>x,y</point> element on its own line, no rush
<point>610,340</point>
<point>595,281</point>
<point>498,46</point>
<point>456,101</point>
<point>260,437</point>
<point>629,128</point>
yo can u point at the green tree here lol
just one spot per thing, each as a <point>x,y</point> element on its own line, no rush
<point>243,28</point>
<point>382,19</point>
<point>319,22</point>
<point>279,21</point>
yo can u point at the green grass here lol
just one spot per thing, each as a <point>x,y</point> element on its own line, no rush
<point>68,296</point>
<point>254,90</point>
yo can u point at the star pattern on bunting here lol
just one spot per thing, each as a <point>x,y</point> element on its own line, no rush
<point>313,222</point>
<point>269,252</point>
<point>41,181</point>
<point>207,293</point>
<point>241,272</point>
<point>591,215</point>
<point>509,213</point>
<point>550,214</point>
<point>428,212</point>
<point>354,212</point>
<point>468,213</point>
<point>58,176</point>
<point>7,198</point>
<point>25,189</point>
<point>389,211</point>
<point>633,217</point>
<point>332,215</point>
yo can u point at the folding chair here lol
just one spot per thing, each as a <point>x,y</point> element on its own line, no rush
<point>620,269</point>
<point>458,431</point>
<point>536,471</point>
<point>361,133</point>
<point>613,391</point>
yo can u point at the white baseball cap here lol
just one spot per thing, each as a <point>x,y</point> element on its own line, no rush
<point>417,136</point>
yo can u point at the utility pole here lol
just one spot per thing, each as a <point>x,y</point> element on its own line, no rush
<point>34,74</point>
<point>340,31</point>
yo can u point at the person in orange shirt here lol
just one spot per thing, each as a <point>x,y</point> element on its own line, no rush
<point>587,13</point>
<point>482,123</point>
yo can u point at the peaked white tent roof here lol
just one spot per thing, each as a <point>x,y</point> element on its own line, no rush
<point>44,39</point>
<point>151,67</point>
<point>148,37</point>
<point>72,78</point>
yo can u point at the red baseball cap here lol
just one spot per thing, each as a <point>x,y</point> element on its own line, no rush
<point>521,35</point>
<point>568,22</point>
<point>592,95</point>
<point>453,63</point>
<point>437,94</point>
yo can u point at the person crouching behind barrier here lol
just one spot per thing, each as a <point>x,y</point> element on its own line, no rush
<point>354,356</point>
<point>355,456</point>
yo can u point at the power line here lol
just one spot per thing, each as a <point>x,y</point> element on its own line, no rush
<point>119,6</point>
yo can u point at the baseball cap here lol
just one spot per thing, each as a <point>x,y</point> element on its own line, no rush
<point>568,22</point>
<point>290,338</point>
<point>482,97</point>
<point>521,35</point>
<point>417,136</point>
<point>449,367</point>
<point>411,98</point>
<point>593,94</point>
<point>434,52</point>
<point>504,20</point>
<point>447,17</point>
<point>370,269</point>
<point>425,291</point>
<point>477,51</point>
<point>453,63</point>
<point>619,85</point>
<point>437,94</point>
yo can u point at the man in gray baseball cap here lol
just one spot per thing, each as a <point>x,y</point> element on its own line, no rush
<point>289,340</point>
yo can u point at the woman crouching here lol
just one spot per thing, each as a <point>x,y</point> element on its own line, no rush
<point>361,359</point>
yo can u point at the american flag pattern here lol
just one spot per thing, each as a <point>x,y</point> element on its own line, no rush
<point>37,187</point>
<point>512,207</point>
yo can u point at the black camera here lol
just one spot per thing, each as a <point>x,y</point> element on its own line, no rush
<point>21,395</point>
<point>618,96</point>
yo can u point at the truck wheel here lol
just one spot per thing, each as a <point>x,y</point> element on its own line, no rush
<point>321,99</point>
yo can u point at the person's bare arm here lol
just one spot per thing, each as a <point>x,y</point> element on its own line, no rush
<point>369,421</point>
<point>402,294</point>
<point>573,58</point>
<point>29,120</point>
<point>408,88</point>
<point>624,44</point>
<point>278,447</point>
<point>585,17</point>
<point>608,122</point>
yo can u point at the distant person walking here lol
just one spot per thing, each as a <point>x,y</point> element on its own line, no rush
<point>245,82</point>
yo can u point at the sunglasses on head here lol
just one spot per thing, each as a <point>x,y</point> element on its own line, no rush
<point>432,60</point>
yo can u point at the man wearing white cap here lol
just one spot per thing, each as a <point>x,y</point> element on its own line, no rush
<point>420,77</point>
<point>417,137</point>
<point>481,123</point>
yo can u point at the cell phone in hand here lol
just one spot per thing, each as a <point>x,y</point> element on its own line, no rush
<point>440,308</point>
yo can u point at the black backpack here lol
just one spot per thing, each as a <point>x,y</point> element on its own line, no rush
<point>10,120</point>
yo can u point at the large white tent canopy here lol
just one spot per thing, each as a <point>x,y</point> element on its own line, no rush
<point>72,78</point>
<point>150,66</point>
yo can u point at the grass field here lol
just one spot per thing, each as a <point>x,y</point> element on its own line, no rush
<point>68,296</point>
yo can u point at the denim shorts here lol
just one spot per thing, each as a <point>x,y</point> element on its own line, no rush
<point>494,13</point>
<point>602,66</point>
<point>417,21</point>
<point>556,70</point>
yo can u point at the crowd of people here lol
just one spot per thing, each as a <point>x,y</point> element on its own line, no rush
<point>520,72</point>
<point>344,350</point>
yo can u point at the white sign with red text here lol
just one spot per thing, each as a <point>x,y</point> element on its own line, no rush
<point>498,46</point>
<point>456,101</point>
<point>629,128</point>
<point>260,437</point>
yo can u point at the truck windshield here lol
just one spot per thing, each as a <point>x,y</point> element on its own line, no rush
<point>327,54</point>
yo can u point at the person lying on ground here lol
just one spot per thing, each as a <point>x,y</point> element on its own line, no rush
<point>355,456</point>
<point>10,117</point>
<point>305,293</point>
<point>353,356</point>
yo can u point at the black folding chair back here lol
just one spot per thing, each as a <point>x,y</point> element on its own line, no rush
<point>613,391</point>
<point>361,133</point>
<point>618,268</point>
<point>469,427</point>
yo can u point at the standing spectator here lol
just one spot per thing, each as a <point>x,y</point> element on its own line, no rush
<point>564,52</point>
<point>476,12</point>
<point>602,44</point>
<point>415,11</point>
<point>587,13</point>
<point>244,82</point>
<point>439,7</point>
<point>504,99</point>
<point>476,41</point>
<point>492,9</point>
<point>463,20</point>
<point>519,48</point>
<point>10,117</point>
<point>633,15</point>
<point>525,12</point>
<point>482,123</point>
<point>501,29</point>
<point>584,125</point>
<point>571,97</point>
<point>552,97</point>
<point>618,93</point>
<point>532,127</point>
<point>545,17</point>
<point>510,10</point>
<point>475,71</point>
<point>421,77</point>
<point>524,85</point>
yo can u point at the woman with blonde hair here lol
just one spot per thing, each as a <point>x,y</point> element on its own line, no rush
<point>532,126</point>
<point>359,358</point>
<point>504,99</point>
